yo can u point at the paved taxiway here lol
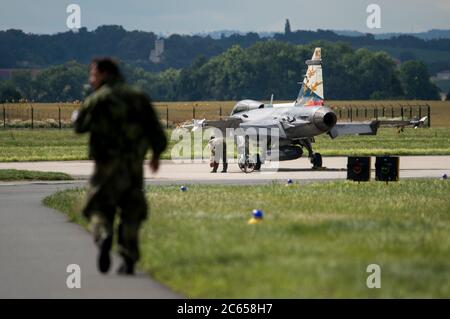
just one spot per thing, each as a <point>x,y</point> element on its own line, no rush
<point>410,167</point>
<point>38,243</point>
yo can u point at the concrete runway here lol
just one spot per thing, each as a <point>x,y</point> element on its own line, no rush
<point>410,167</point>
<point>37,243</point>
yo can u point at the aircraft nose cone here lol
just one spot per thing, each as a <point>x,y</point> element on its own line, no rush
<point>325,119</point>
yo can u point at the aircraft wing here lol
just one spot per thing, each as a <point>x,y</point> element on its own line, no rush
<point>228,122</point>
<point>270,124</point>
<point>267,124</point>
<point>370,128</point>
<point>233,122</point>
<point>354,128</point>
<point>403,123</point>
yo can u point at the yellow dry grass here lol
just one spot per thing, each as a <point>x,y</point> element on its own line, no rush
<point>182,111</point>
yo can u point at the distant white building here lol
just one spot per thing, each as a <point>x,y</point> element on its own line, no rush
<point>156,53</point>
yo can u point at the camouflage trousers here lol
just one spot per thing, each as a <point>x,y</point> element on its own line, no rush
<point>116,189</point>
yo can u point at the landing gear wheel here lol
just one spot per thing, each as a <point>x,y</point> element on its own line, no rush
<point>316,160</point>
<point>247,166</point>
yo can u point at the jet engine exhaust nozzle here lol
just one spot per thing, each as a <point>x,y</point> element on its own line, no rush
<point>325,119</point>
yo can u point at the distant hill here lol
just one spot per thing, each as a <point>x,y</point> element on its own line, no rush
<point>227,33</point>
<point>428,35</point>
<point>32,51</point>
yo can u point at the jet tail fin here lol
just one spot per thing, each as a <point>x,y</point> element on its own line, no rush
<point>311,92</point>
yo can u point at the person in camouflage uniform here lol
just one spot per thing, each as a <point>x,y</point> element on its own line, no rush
<point>123,126</point>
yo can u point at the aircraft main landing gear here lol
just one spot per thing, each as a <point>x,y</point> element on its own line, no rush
<point>316,160</point>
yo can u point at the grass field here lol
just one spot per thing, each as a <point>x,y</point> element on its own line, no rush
<point>41,145</point>
<point>22,175</point>
<point>51,144</point>
<point>316,240</point>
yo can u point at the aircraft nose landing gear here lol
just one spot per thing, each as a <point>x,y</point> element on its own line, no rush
<point>248,165</point>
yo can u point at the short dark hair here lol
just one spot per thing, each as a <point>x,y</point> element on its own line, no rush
<point>108,66</point>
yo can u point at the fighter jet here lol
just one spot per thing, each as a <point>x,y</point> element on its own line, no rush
<point>298,122</point>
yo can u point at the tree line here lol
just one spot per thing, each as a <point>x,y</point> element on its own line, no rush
<point>22,50</point>
<point>265,68</point>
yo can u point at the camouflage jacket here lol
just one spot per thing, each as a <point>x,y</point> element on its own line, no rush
<point>122,124</point>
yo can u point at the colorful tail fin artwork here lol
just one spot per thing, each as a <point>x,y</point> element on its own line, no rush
<point>311,92</point>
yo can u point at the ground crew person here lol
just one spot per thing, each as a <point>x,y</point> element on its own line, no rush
<point>123,126</point>
<point>218,148</point>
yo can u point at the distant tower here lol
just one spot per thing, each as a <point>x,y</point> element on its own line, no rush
<point>287,27</point>
<point>155,54</point>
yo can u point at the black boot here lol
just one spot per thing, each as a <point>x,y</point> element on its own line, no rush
<point>225,167</point>
<point>215,167</point>
<point>127,267</point>
<point>104,260</point>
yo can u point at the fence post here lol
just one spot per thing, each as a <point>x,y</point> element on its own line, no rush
<point>392,112</point>
<point>402,113</point>
<point>365,112</point>
<point>4,117</point>
<point>429,115</point>
<point>420,111</point>
<point>220,111</point>
<point>32,117</point>
<point>59,116</point>
<point>340,113</point>
<point>193,112</point>
<point>351,114</point>
<point>167,117</point>
<point>384,111</point>
<point>410,112</point>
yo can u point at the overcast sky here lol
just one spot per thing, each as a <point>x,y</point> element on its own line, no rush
<point>192,16</point>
